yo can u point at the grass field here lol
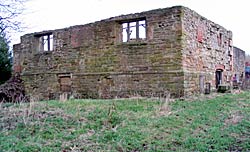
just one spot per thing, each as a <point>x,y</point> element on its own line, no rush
<point>219,124</point>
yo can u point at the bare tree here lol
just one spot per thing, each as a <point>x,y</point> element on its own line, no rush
<point>10,22</point>
<point>9,12</point>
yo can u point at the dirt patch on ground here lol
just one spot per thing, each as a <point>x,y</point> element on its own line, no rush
<point>234,118</point>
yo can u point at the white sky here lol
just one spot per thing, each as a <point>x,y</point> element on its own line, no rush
<point>54,14</point>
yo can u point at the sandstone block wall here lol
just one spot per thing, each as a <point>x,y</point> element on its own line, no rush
<point>92,61</point>
<point>207,50</point>
<point>239,63</point>
<point>180,52</point>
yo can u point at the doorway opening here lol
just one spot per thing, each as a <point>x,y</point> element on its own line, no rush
<point>218,78</point>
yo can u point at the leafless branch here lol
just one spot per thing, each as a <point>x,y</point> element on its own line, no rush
<point>10,10</point>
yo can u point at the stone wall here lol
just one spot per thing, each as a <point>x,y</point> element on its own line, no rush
<point>179,53</point>
<point>239,63</point>
<point>92,61</point>
<point>207,48</point>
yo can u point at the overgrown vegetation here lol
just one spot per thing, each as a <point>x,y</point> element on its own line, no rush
<point>220,124</point>
<point>13,90</point>
<point>5,59</point>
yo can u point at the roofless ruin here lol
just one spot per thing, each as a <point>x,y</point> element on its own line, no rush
<point>172,50</point>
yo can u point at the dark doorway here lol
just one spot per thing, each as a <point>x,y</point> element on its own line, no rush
<point>218,77</point>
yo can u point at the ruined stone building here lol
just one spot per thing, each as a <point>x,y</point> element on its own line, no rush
<point>149,54</point>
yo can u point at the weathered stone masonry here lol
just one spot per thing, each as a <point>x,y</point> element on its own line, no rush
<point>181,51</point>
<point>239,63</point>
<point>207,53</point>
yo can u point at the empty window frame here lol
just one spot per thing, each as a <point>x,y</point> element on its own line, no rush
<point>134,30</point>
<point>45,42</point>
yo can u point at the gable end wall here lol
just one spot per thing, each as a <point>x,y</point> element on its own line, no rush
<point>207,47</point>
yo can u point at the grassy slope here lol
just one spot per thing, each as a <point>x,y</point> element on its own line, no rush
<point>217,124</point>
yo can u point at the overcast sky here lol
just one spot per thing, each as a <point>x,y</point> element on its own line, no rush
<point>53,14</point>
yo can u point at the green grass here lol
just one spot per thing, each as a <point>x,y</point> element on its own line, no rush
<point>219,124</point>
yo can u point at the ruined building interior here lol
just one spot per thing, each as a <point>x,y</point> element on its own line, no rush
<point>172,50</point>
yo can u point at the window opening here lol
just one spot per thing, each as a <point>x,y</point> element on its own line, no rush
<point>47,42</point>
<point>135,30</point>
<point>44,42</point>
<point>220,39</point>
